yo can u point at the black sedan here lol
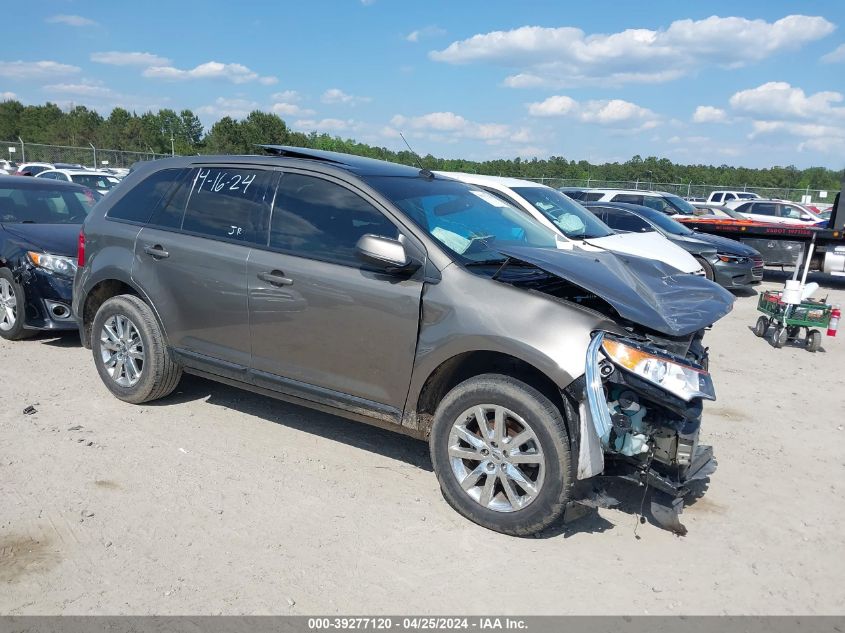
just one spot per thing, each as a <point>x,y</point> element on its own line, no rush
<point>729,263</point>
<point>40,222</point>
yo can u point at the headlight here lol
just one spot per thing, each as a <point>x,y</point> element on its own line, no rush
<point>732,259</point>
<point>683,381</point>
<point>58,264</point>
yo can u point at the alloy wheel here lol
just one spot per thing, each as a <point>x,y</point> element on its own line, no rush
<point>496,458</point>
<point>122,350</point>
<point>8,306</point>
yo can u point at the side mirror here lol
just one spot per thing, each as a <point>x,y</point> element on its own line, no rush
<point>386,253</point>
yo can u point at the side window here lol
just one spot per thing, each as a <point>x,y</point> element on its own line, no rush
<point>624,221</point>
<point>787,211</point>
<point>763,208</point>
<point>627,197</point>
<point>138,203</point>
<point>230,204</point>
<point>717,197</point>
<point>590,197</point>
<point>318,219</point>
<point>744,208</point>
<point>658,204</point>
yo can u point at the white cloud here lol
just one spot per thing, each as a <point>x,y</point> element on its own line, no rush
<point>425,32</point>
<point>235,108</point>
<point>448,125</point>
<point>327,125</point>
<point>367,3</point>
<point>835,56</point>
<point>777,110</point>
<point>118,58</point>
<point>236,73</point>
<point>614,113</point>
<point>71,20</point>
<point>286,95</point>
<point>8,96</point>
<point>559,57</point>
<point>291,109</point>
<point>709,114</point>
<point>336,95</point>
<point>84,89</point>
<point>778,99</point>
<point>35,70</point>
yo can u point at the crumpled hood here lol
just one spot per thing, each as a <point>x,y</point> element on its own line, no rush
<point>644,291</point>
<point>56,239</point>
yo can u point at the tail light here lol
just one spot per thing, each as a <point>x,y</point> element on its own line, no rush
<point>80,250</point>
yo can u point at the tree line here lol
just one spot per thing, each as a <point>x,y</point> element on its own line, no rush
<point>152,131</point>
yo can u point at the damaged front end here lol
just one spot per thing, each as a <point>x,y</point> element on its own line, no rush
<point>641,416</point>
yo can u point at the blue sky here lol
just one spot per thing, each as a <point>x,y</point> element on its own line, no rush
<point>742,83</point>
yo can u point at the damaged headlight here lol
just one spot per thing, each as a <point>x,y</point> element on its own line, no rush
<point>684,381</point>
<point>64,266</point>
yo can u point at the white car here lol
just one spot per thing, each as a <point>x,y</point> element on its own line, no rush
<point>576,225</point>
<point>777,211</point>
<point>667,203</point>
<point>33,169</point>
<point>99,180</point>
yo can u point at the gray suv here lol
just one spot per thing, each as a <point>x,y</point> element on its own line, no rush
<point>391,296</point>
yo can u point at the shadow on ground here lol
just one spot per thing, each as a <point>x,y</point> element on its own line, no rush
<point>357,434</point>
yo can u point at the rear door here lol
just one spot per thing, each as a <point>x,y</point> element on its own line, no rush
<point>324,326</point>
<point>191,260</point>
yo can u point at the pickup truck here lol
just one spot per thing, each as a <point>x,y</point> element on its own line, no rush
<point>723,196</point>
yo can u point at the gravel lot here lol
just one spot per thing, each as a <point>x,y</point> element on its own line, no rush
<point>219,501</point>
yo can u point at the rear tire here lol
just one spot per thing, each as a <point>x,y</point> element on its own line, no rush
<point>780,336</point>
<point>514,478</point>
<point>761,326</point>
<point>130,352</point>
<point>12,317</point>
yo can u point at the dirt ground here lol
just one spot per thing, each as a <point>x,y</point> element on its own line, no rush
<point>219,501</point>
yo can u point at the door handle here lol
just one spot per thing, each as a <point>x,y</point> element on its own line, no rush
<point>275,278</point>
<point>156,252</point>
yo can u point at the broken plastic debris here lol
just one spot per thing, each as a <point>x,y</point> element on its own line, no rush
<point>30,410</point>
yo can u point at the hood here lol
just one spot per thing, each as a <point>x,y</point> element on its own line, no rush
<point>693,245</point>
<point>726,245</point>
<point>651,245</point>
<point>56,239</point>
<point>644,291</point>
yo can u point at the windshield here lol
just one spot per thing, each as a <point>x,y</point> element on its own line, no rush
<point>573,220</point>
<point>95,181</point>
<point>468,221</point>
<point>667,224</point>
<point>681,205</point>
<point>32,205</point>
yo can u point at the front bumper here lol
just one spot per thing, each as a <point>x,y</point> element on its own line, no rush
<point>737,275</point>
<point>48,300</point>
<point>666,459</point>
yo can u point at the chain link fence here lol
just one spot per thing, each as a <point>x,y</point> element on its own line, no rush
<point>94,157</point>
<point>693,190</point>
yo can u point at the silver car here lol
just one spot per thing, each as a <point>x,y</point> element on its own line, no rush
<point>389,295</point>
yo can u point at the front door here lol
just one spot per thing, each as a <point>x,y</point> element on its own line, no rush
<point>321,321</point>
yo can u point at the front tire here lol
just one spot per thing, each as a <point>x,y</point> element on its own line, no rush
<point>130,352</point>
<point>708,269</point>
<point>12,308</point>
<point>501,453</point>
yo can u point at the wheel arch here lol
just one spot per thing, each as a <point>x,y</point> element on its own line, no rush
<point>460,367</point>
<point>98,294</point>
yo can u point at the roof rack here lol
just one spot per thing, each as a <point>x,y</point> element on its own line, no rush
<point>298,152</point>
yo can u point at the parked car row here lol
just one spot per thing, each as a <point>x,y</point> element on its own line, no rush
<point>68,172</point>
<point>529,343</point>
<point>748,205</point>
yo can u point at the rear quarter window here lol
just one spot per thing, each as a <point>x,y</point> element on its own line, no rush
<point>138,203</point>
